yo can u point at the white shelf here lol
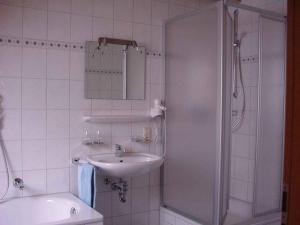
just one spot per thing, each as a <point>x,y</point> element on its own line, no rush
<point>116,118</point>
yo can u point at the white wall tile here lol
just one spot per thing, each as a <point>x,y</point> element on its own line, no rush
<point>77,100</point>
<point>77,126</point>
<point>156,70</point>
<point>57,64</point>
<point>240,145</point>
<point>156,38</point>
<point>140,199</point>
<point>81,28</point>
<point>33,124</point>
<point>12,2</point>
<point>140,181</point>
<point>10,92</point>
<point>12,125</point>
<point>140,219</point>
<point>154,198</point>
<point>192,3</point>
<point>250,192</point>
<point>104,8</point>
<point>123,10</point>
<point>34,23</point>
<point>36,4</point>
<point>104,203</point>
<point>175,10</point>
<point>58,180</point>
<point>10,61</point>
<point>10,20</point>
<point>119,208</point>
<point>142,11</point>
<point>58,94</point>
<point>155,177</point>
<point>34,63</point>
<point>34,154</point>
<point>33,94</point>
<point>121,104</point>
<point>14,156</point>
<point>238,189</point>
<point>35,182</point>
<point>241,168</point>
<point>59,5</point>
<point>57,124</point>
<point>142,34</point>
<point>55,148</point>
<point>178,2</point>
<point>83,7</point>
<point>156,92</point>
<point>102,28</point>
<point>99,104</point>
<point>241,208</point>
<point>159,12</point>
<point>122,220</point>
<point>122,29</point>
<point>154,218</point>
<point>251,170</point>
<point>59,26</point>
<point>121,130</point>
<point>77,65</point>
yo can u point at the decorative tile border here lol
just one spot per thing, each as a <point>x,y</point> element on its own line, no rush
<point>250,59</point>
<point>36,43</point>
<point>48,44</point>
<point>109,72</point>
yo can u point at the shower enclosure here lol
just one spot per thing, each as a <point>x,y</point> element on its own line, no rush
<point>198,130</point>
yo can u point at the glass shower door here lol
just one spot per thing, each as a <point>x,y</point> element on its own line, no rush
<point>270,132</point>
<point>197,116</point>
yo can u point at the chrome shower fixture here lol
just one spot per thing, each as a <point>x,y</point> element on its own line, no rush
<point>236,46</point>
<point>237,70</point>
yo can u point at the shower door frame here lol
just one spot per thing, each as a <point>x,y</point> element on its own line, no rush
<point>282,20</point>
<point>219,196</point>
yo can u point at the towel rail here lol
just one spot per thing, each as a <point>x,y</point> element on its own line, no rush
<point>77,161</point>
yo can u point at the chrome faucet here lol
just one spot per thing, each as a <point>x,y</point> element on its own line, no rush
<point>19,183</point>
<point>119,150</point>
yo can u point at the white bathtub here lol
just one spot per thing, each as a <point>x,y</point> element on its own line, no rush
<point>48,210</point>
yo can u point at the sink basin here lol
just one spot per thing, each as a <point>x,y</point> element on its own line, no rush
<point>127,165</point>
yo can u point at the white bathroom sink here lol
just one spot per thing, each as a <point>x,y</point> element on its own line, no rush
<point>127,165</point>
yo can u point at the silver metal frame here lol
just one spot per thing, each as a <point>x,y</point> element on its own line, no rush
<point>260,11</point>
<point>283,20</point>
<point>227,14</point>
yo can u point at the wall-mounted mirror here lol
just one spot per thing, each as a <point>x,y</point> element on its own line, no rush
<point>114,71</point>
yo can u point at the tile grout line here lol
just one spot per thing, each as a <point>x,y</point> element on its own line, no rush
<point>46,111</point>
<point>21,98</point>
<point>69,104</point>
